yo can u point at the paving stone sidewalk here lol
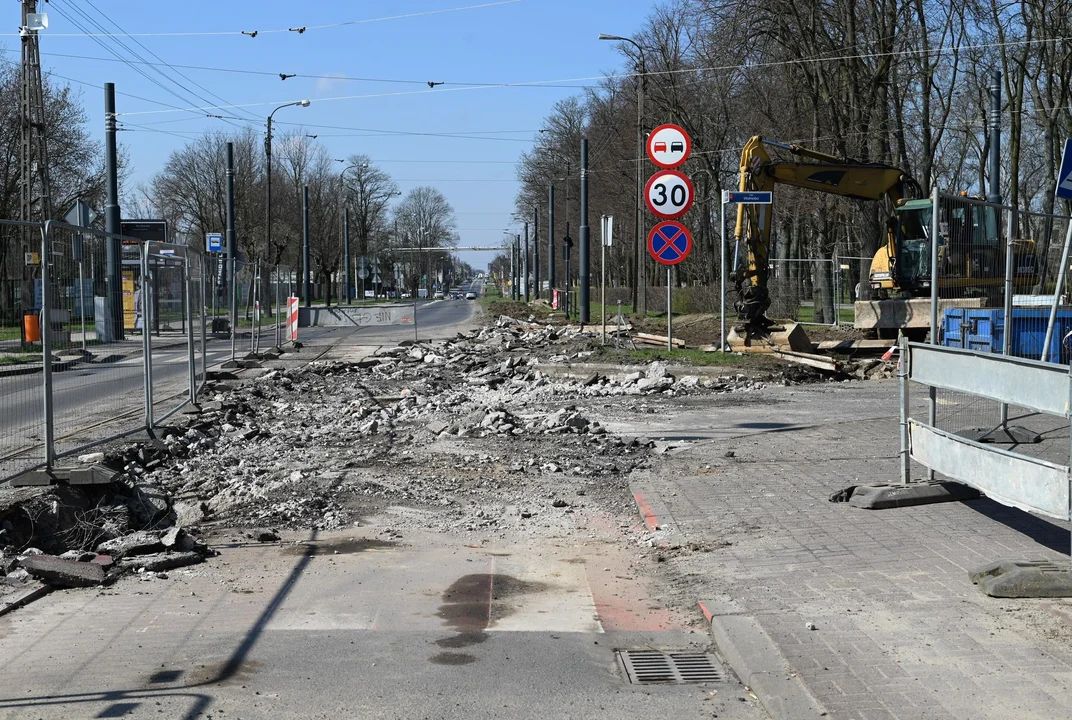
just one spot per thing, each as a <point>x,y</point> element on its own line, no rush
<point>900,631</point>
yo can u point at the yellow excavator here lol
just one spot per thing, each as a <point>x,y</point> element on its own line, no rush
<point>824,173</point>
<point>971,260</point>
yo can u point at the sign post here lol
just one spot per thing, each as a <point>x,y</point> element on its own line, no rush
<point>669,243</point>
<point>607,227</point>
<point>669,194</point>
<point>738,197</point>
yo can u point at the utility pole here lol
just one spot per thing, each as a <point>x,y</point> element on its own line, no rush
<point>232,242</point>
<point>536,251</point>
<point>113,247</point>
<point>551,237</point>
<point>35,187</point>
<point>567,245</point>
<point>306,290</point>
<point>994,195</point>
<point>526,263</point>
<point>585,259</point>
<point>346,250</point>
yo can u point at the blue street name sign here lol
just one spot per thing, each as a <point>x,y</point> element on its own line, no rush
<point>753,197</point>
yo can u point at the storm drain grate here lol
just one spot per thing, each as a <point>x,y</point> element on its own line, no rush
<point>647,667</point>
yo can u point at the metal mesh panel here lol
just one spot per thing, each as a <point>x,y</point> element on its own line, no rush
<point>803,290</point>
<point>22,423</point>
<point>1004,267</point>
<point>100,389</point>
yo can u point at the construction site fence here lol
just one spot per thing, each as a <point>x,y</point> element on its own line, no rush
<point>71,376</point>
<point>1023,460</point>
<point>1000,284</point>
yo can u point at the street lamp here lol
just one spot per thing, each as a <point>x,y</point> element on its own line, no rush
<point>642,68</point>
<point>268,183</point>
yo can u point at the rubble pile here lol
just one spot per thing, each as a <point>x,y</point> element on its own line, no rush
<point>321,445</point>
<point>481,431</point>
<point>74,537</point>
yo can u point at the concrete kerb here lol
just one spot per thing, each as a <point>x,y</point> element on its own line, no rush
<point>740,640</point>
<point>751,653</point>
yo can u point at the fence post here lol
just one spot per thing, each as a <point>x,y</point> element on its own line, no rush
<point>45,321</point>
<point>1006,343</point>
<point>903,376</point>
<point>190,329</point>
<point>147,348</point>
<point>932,392</point>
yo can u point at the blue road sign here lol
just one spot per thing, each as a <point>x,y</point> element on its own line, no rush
<point>1064,178</point>
<point>752,197</point>
<point>215,242</point>
<point>669,243</point>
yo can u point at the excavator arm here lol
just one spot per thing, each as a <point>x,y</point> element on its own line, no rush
<point>823,173</point>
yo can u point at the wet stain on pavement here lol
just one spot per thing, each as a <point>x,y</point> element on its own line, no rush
<point>470,606</point>
<point>350,546</point>
<point>452,659</point>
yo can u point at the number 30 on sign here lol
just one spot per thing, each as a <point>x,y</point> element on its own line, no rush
<point>669,194</point>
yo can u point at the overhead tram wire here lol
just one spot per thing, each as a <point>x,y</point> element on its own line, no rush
<point>406,16</point>
<point>171,67</point>
<point>305,76</point>
<point>655,73</point>
<point>189,93</point>
<point>136,69</point>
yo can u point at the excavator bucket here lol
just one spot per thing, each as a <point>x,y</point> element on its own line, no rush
<point>790,336</point>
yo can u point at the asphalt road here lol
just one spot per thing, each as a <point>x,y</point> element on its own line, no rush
<point>435,627</point>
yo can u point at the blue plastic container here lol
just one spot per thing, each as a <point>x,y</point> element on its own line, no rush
<point>984,330</point>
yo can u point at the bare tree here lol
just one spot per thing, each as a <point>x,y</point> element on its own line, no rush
<point>426,219</point>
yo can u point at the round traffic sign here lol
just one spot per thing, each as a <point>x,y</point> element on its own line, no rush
<point>669,146</point>
<point>363,273</point>
<point>669,243</point>
<point>669,194</point>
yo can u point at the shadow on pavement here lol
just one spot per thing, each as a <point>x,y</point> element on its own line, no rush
<point>126,701</point>
<point>1045,533</point>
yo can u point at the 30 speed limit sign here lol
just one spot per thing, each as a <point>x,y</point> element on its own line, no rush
<point>669,194</point>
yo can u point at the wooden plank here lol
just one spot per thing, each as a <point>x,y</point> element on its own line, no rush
<point>658,339</point>
<point>820,362</point>
<point>848,345</point>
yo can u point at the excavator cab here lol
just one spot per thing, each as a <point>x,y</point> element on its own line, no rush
<point>971,254</point>
<point>910,267</point>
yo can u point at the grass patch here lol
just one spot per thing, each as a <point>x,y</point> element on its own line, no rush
<point>686,356</point>
<point>7,359</point>
<point>806,314</point>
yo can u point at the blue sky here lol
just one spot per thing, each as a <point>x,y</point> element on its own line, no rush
<point>514,42</point>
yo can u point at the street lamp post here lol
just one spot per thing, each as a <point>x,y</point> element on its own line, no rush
<point>639,298</point>
<point>268,178</point>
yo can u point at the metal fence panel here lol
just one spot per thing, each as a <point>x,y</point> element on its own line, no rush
<point>22,419</point>
<point>804,291</point>
<point>1010,478</point>
<point>1039,386</point>
<point>100,393</point>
